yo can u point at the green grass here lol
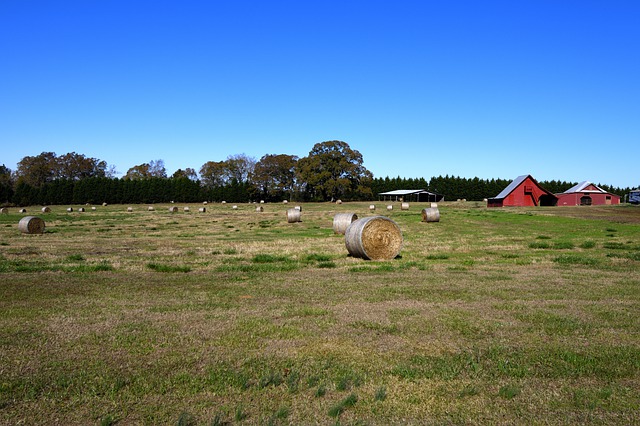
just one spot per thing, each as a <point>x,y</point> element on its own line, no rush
<point>495,316</point>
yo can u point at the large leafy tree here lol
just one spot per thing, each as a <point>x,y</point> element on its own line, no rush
<point>333,170</point>
<point>236,168</point>
<point>47,167</point>
<point>274,176</point>
<point>153,169</point>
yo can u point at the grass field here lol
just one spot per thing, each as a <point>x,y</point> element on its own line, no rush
<point>491,316</point>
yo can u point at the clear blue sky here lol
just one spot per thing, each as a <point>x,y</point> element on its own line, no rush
<point>492,89</point>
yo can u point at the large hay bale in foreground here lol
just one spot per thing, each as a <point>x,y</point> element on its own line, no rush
<point>31,225</point>
<point>431,215</point>
<point>341,222</point>
<point>375,238</point>
<point>46,210</point>
<point>294,215</point>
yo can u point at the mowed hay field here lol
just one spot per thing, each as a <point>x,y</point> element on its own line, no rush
<point>490,316</point>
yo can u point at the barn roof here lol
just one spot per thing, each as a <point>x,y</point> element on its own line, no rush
<point>581,188</point>
<point>513,185</point>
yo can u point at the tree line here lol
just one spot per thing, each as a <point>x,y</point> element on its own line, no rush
<point>331,171</point>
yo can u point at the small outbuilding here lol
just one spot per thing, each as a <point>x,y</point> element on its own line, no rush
<point>586,194</point>
<point>416,195</point>
<point>523,191</point>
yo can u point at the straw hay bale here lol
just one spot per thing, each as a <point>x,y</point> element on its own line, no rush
<point>69,209</point>
<point>4,210</point>
<point>285,202</point>
<point>202,209</point>
<point>299,208</point>
<point>374,237</point>
<point>261,201</point>
<point>93,208</point>
<point>372,207</point>
<point>234,207</point>
<point>204,203</point>
<point>338,201</point>
<point>431,215</point>
<point>81,209</point>
<point>104,204</point>
<point>150,208</point>
<point>46,210</point>
<point>129,209</point>
<point>173,209</point>
<point>341,222</point>
<point>186,209</point>
<point>224,202</point>
<point>294,215</point>
<point>389,207</point>
<point>404,206</point>
<point>22,211</point>
<point>259,209</point>
<point>31,225</point>
<point>434,205</point>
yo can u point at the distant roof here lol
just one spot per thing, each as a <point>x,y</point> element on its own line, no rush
<point>581,188</point>
<point>406,192</point>
<point>513,185</point>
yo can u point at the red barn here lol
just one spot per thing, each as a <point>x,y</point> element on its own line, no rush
<point>586,194</point>
<point>523,191</point>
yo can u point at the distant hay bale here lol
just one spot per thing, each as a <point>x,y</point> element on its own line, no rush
<point>434,205</point>
<point>150,208</point>
<point>129,209</point>
<point>485,200</point>
<point>4,210</point>
<point>374,237</point>
<point>294,215</point>
<point>186,210</point>
<point>261,201</point>
<point>22,211</point>
<point>431,215</point>
<point>224,202</point>
<point>204,203</point>
<point>341,222</point>
<point>285,202</point>
<point>299,208</point>
<point>372,207</point>
<point>202,209</point>
<point>81,209</point>
<point>173,209</point>
<point>338,201</point>
<point>234,207</point>
<point>69,209</point>
<point>46,210</point>
<point>93,208</point>
<point>389,207</point>
<point>259,209</point>
<point>31,225</point>
<point>104,204</point>
<point>404,206</point>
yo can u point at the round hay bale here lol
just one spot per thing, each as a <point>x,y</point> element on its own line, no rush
<point>129,209</point>
<point>81,209</point>
<point>389,207</point>
<point>404,206</point>
<point>259,209</point>
<point>293,215</point>
<point>4,211</point>
<point>69,209</point>
<point>374,237</point>
<point>93,208</point>
<point>339,202</point>
<point>261,201</point>
<point>31,225</point>
<point>46,210</point>
<point>372,207</point>
<point>104,204</point>
<point>204,203</point>
<point>431,215</point>
<point>173,209</point>
<point>22,211</point>
<point>341,222</point>
<point>234,207</point>
<point>186,209</point>
<point>299,208</point>
<point>224,202</point>
<point>434,205</point>
<point>202,209</point>
<point>150,208</point>
<point>285,202</point>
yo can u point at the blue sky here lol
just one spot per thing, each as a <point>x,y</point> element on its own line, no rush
<point>492,89</point>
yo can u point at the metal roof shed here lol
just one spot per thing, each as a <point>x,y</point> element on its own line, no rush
<point>408,194</point>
